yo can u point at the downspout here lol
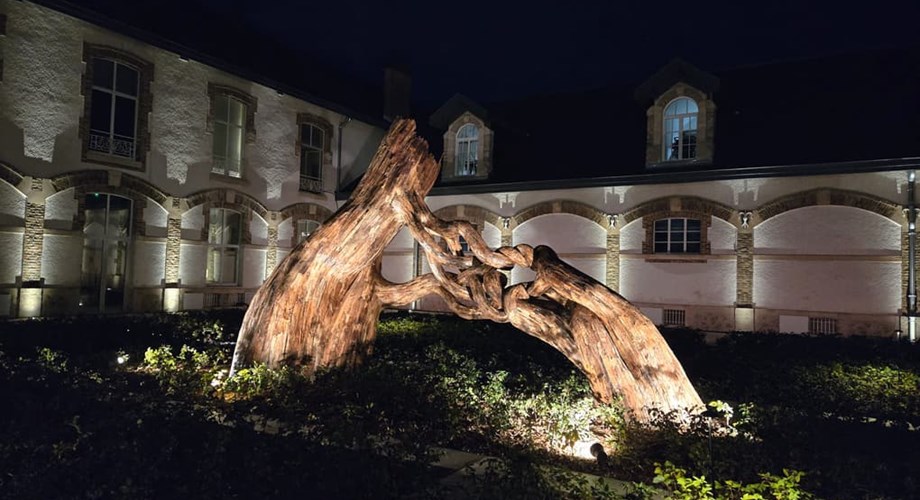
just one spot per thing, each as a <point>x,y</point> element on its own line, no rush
<point>911,260</point>
<point>338,167</point>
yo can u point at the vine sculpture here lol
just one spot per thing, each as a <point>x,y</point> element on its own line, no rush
<point>320,306</point>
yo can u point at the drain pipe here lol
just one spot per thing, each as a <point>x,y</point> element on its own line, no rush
<point>911,259</point>
<point>338,167</point>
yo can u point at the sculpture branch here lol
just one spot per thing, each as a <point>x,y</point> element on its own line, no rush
<point>320,307</point>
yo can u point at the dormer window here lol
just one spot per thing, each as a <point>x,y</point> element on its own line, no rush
<point>467,159</point>
<point>680,127</point>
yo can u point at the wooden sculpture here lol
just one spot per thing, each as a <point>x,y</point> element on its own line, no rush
<point>320,306</point>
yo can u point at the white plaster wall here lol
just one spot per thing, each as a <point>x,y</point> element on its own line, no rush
<point>193,223</point>
<point>397,267</point>
<point>565,233</point>
<point>285,233</point>
<point>10,257</point>
<point>41,81</point>
<point>521,275</point>
<point>60,209</point>
<point>595,266</point>
<point>258,230</point>
<point>492,235</point>
<point>193,261</point>
<point>722,236</point>
<point>631,237</point>
<point>12,205</point>
<point>157,218</point>
<point>178,123</point>
<point>149,263</point>
<point>403,241</point>
<point>828,230</point>
<point>282,254</point>
<point>62,259</point>
<point>833,286</point>
<point>253,267</point>
<point>273,155</point>
<point>690,283</point>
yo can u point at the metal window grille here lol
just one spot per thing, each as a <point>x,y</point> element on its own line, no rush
<point>822,326</point>
<point>674,317</point>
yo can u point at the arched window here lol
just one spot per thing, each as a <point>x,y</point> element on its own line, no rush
<point>680,126</point>
<point>106,234</point>
<point>467,150</point>
<point>305,228</point>
<point>224,231</point>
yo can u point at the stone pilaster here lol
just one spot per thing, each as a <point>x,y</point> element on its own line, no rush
<point>744,255</point>
<point>30,293</point>
<point>271,253</point>
<point>613,259</point>
<point>173,244</point>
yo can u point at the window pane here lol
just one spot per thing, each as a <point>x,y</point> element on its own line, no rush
<point>693,224</point>
<point>693,248</point>
<point>124,116</point>
<point>221,108</point>
<point>212,274</point>
<point>235,150</point>
<point>312,164</point>
<point>232,227</point>
<point>661,225</point>
<point>220,140</point>
<point>126,80</point>
<point>317,138</point>
<point>237,112</point>
<point>676,248</point>
<point>215,223</point>
<point>677,224</point>
<point>101,112</point>
<point>661,237</point>
<point>693,236</point>
<point>228,266</point>
<point>103,72</point>
<point>661,247</point>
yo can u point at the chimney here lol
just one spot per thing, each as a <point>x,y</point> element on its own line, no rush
<point>397,89</point>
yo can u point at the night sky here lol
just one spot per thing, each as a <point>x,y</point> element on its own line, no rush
<point>493,50</point>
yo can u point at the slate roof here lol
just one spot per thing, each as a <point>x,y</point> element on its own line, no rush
<point>848,108</point>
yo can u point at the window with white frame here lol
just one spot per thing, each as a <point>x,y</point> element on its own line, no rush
<point>677,235</point>
<point>113,108</point>
<point>680,129</point>
<point>224,229</point>
<point>467,158</point>
<point>312,141</point>
<point>305,228</point>
<point>229,132</point>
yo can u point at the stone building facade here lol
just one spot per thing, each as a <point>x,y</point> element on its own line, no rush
<point>659,196</point>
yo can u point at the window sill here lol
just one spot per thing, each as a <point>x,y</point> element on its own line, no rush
<point>677,258</point>
<point>662,164</point>
<point>112,160</point>
<point>229,179</point>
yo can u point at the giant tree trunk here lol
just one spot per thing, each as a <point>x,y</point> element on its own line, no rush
<point>320,307</point>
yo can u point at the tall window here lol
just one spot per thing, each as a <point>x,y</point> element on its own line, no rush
<point>305,228</point>
<point>105,252</point>
<point>467,150</point>
<point>680,125</point>
<point>114,109</point>
<point>312,140</point>
<point>677,235</point>
<point>223,247</point>
<point>229,134</point>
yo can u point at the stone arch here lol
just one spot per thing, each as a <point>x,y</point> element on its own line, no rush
<point>232,199</point>
<point>472,213</point>
<point>561,207</point>
<point>679,206</point>
<point>830,196</point>
<point>10,175</point>
<point>118,183</point>
<point>303,211</point>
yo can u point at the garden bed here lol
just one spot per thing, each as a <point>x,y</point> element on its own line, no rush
<point>139,407</point>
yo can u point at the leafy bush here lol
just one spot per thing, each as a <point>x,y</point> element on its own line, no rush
<point>682,486</point>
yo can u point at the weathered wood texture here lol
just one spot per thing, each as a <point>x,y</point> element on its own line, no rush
<point>320,306</point>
